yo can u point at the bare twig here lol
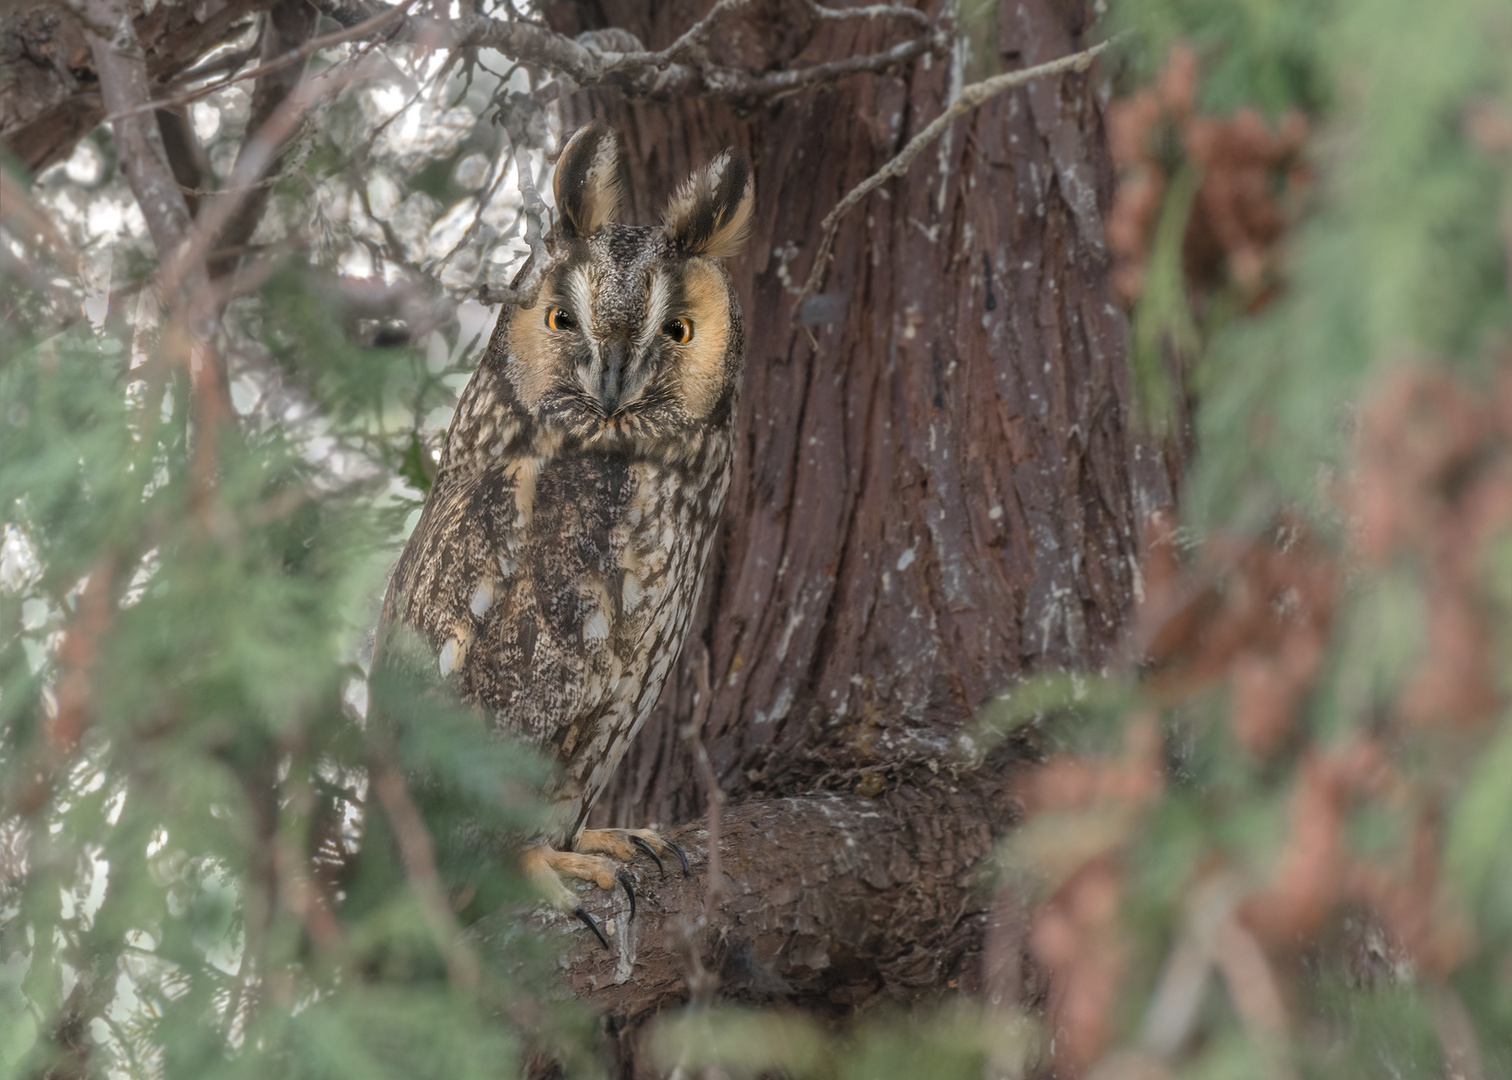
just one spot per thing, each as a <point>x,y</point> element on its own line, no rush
<point>419,854</point>
<point>970,97</point>
<point>690,42</point>
<point>728,83</point>
<point>287,26</point>
<point>872,11</point>
<point>485,200</point>
<point>702,983</point>
<point>257,155</point>
<point>524,291</point>
<point>368,27</point>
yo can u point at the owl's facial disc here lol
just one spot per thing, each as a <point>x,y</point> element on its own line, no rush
<point>629,338</point>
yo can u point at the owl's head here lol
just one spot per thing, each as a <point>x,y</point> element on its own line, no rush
<point>635,333</point>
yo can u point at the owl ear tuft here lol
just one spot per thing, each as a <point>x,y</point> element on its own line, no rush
<point>711,214</point>
<point>587,180</point>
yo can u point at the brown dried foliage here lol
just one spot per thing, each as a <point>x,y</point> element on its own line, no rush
<point>1236,216</point>
<point>1430,488</point>
<point>1433,483</point>
<point>1078,933</point>
<point>1251,613</point>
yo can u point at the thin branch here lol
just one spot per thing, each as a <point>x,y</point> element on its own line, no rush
<point>419,854</point>
<point>970,97</point>
<point>287,27</point>
<point>872,11</point>
<point>485,200</point>
<point>367,27</point>
<point>257,155</point>
<point>728,83</point>
<point>702,983</point>
<point>690,42</point>
<point>227,61</point>
<point>524,290</point>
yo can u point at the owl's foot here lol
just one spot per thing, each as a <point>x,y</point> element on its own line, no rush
<point>621,844</point>
<point>547,867</point>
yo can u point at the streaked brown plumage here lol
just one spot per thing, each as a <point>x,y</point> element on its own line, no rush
<point>556,563</point>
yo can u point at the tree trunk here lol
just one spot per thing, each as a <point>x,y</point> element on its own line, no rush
<point>935,494</point>
<point>935,498</point>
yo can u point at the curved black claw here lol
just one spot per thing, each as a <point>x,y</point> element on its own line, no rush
<point>629,883</point>
<point>640,842</point>
<point>680,856</point>
<point>588,921</point>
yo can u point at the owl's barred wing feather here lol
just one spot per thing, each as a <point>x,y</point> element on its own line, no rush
<point>560,615</point>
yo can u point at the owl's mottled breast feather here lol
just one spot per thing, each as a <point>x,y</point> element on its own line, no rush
<point>556,591</point>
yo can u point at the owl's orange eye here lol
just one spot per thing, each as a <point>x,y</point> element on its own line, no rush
<point>559,318</point>
<point>679,330</point>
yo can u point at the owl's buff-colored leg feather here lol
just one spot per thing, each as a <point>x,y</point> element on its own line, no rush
<point>547,867</point>
<point>622,844</point>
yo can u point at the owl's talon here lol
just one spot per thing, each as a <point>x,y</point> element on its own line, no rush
<point>682,858</point>
<point>622,844</point>
<point>629,885</point>
<point>588,921</point>
<point>641,843</point>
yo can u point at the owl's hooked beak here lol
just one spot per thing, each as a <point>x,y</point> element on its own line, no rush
<point>611,384</point>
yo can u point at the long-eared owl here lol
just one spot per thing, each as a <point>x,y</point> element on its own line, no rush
<point>556,563</point>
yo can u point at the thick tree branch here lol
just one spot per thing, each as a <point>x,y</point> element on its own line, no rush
<point>657,75</point>
<point>827,900</point>
<point>122,67</point>
<point>45,108</point>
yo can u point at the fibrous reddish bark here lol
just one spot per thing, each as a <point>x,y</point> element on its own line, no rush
<point>934,495</point>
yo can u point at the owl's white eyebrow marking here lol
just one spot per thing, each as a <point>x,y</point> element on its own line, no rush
<point>656,307</point>
<point>579,288</point>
